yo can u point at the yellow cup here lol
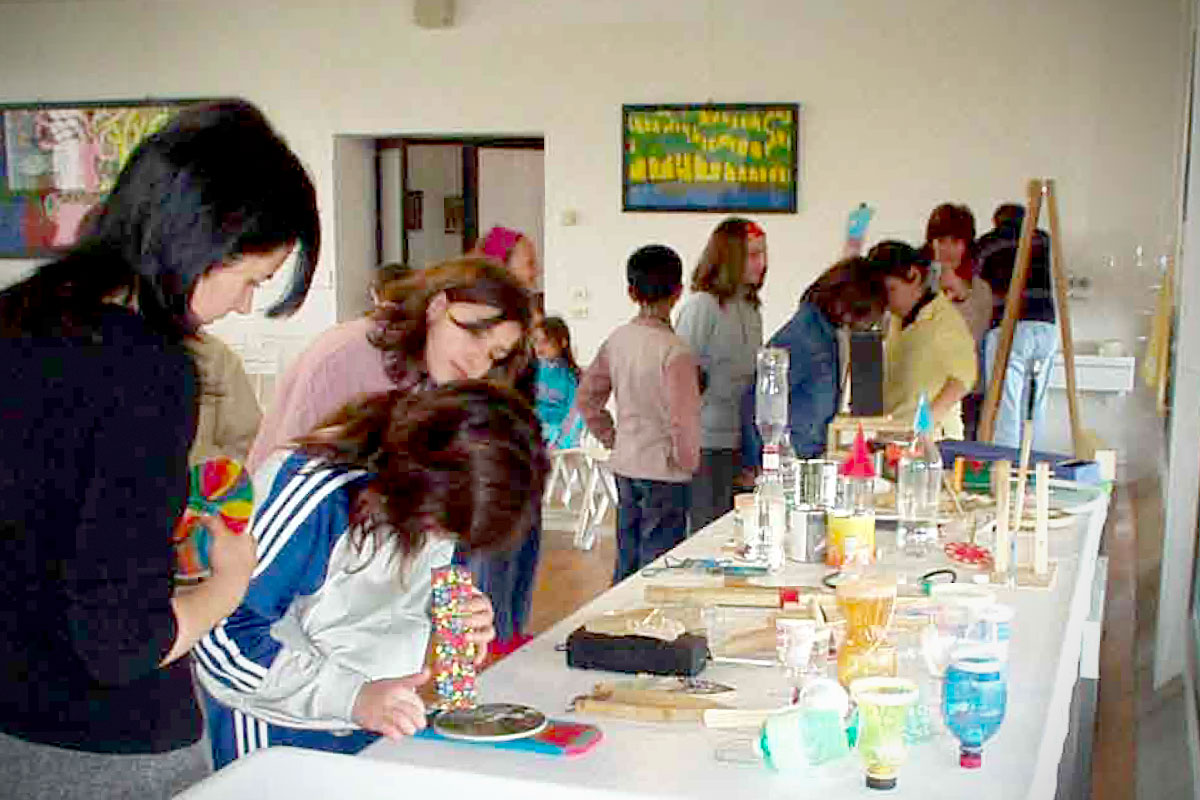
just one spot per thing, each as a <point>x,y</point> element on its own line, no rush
<point>849,537</point>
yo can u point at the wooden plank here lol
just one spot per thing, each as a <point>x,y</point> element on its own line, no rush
<point>1012,305</point>
<point>1063,315</point>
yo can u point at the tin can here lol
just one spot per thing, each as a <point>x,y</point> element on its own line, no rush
<point>816,483</point>
<point>805,540</point>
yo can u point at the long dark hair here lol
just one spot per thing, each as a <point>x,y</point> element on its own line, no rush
<point>465,458</point>
<point>722,265</point>
<point>851,286</point>
<point>403,325</point>
<point>214,183</point>
<point>557,331</point>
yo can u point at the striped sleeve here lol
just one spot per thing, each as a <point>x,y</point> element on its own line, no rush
<point>297,527</point>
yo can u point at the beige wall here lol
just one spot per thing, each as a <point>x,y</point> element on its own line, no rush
<point>905,104</point>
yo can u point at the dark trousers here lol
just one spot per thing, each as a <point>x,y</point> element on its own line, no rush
<point>651,519</point>
<point>712,488</point>
<point>507,578</point>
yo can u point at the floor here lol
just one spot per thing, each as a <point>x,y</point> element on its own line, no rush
<point>1140,749</point>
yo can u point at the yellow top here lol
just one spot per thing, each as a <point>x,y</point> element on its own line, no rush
<point>920,358</point>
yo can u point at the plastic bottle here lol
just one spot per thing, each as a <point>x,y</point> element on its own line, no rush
<point>771,402</point>
<point>850,524</point>
<point>919,487</point>
<point>974,697</point>
<point>778,462</point>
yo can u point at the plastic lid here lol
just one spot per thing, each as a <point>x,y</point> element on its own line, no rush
<point>881,783</point>
<point>970,759</point>
<point>923,419</point>
<point>859,464</point>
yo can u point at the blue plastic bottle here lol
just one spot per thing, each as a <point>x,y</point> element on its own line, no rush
<point>974,695</point>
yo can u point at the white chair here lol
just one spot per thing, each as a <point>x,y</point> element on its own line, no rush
<point>599,495</point>
<point>568,474</point>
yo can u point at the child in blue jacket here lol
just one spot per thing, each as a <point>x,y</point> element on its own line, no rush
<point>327,649</point>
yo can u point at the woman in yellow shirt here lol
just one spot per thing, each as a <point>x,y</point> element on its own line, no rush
<point>929,348</point>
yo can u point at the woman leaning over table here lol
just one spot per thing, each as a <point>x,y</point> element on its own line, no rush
<point>96,696</point>
<point>720,320</point>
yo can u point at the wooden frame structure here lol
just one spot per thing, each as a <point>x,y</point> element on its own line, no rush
<point>1040,190</point>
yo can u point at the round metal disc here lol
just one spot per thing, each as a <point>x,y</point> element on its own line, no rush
<point>490,722</point>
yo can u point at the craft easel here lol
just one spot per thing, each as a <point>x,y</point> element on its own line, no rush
<point>1039,189</point>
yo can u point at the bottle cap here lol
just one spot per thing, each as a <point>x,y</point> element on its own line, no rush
<point>881,783</point>
<point>859,464</point>
<point>923,419</point>
<point>970,759</point>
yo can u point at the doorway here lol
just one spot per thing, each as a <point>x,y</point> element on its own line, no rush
<point>437,194</point>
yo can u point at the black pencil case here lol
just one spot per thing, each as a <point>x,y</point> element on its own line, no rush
<point>684,656</point>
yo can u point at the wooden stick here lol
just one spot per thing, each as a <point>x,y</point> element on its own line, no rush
<point>953,494</point>
<point>609,708</point>
<point>1059,271</point>
<point>652,697</point>
<point>1012,304</point>
<point>1000,554</point>
<point>1022,477</point>
<point>1041,532</point>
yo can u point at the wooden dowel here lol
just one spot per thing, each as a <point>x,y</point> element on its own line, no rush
<point>1041,530</point>
<point>1012,306</point>
<point>1001,470</point>
<point>1063,316</point>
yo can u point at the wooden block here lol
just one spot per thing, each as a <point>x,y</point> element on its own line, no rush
<point>1041,531</point>
<point>1002,489</point>
<point>610,708</point>
<point>1026,578</point>
<point>753,596</point>
<point>657,698</point>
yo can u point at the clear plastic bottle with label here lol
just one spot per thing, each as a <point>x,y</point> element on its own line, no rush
<point>778,462</point>
<point>919,488</point>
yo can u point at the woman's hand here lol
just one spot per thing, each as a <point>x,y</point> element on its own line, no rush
<point>479,616</point>
<point>233,555</point>
<point>199,608</point>
<point>391,706</point>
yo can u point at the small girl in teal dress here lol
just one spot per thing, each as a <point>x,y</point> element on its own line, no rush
<point>557,379</point>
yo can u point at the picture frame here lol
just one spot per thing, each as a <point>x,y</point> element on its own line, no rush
<point>57,160</point>
<point>720,157</point>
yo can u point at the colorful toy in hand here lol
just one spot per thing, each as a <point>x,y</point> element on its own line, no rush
<point>453,655</point>
<point>219,487</point>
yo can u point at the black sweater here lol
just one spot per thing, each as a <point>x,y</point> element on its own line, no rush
<point>93,474</point>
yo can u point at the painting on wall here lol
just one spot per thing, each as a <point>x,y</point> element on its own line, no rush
<point>58,159</point>
<point>730,157</point>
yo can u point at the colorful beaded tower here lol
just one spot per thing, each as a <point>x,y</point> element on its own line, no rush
<point>453,655</point>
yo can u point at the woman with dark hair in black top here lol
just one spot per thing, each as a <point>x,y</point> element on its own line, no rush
<point>99,411</point>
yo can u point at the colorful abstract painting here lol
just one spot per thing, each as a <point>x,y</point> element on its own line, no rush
<point>58,160</point>
<point>726,157</point>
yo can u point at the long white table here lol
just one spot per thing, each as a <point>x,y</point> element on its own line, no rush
<point>677,759</point>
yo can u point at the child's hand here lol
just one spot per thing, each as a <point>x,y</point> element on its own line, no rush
<point>232,555</point>
<point>479,615</point>
<point>391,706</point>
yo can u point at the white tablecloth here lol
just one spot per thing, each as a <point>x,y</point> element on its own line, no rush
<point>676,759</point>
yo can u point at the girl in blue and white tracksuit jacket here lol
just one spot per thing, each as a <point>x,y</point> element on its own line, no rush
<point>333,606</point>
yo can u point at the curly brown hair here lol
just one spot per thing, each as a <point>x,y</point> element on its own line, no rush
<point>851,286</point>
<point>723,262</point>
<point>465,458</point>
<point>403,326</point>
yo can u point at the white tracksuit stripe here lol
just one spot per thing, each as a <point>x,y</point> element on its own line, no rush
<point>281,531</point>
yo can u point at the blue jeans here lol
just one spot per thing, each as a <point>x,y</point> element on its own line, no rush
<point>651,519</point>
<point>1034,343</point>
<point>507,578</point>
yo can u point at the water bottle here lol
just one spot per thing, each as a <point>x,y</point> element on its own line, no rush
<point>919,488</point>
<point>771,521</point>
<point>974,696</point>
<point>771,403</point>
